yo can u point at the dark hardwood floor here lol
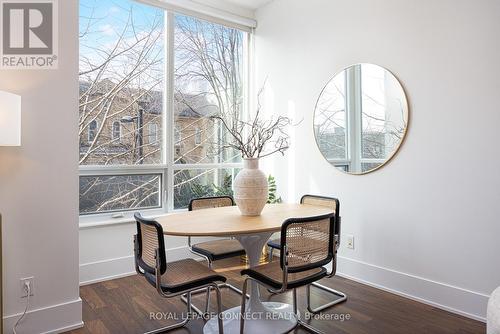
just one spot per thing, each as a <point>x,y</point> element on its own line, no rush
<point>124,305</point>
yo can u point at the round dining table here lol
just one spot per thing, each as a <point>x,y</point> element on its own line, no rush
<point>252,232</point>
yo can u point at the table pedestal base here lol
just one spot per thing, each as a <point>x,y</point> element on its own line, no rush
<point>260,318</point>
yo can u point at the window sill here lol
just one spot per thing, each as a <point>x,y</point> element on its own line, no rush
<point>106,221</point>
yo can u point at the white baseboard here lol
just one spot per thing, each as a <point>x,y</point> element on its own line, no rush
<point>65,328</point>
<point>108,269</point>
<point>119,267</point>
<point>52,319</point>
<point>454,299</point>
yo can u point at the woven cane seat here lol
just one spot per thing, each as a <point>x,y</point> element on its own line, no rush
<point>272,275</point>
<point>185,275</point>
<point>219,249</point>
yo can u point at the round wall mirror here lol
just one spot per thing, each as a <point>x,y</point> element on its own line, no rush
<point>361,118</point>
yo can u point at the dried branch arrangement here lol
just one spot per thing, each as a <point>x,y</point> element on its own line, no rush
<point>257,137</point>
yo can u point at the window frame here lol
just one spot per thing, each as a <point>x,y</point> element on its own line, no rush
<point>167,139</point>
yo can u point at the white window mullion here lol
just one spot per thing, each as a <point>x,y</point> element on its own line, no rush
<point>208,166</point>
<point>120,170</point>
<point>169,112</point>
<point>249,91</point>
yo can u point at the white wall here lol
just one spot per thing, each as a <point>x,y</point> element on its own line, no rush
<point>106,252</point>
<point>39,190</point>
<point>425,225</point>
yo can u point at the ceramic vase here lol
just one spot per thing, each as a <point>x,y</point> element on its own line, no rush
<point>251,188</point>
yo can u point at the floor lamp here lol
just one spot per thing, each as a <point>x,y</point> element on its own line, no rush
<point>10,135</point>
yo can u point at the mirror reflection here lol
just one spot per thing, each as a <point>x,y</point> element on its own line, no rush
<point>361,118</point>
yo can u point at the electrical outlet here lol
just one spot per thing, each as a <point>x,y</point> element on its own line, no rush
<point>349,241</point>
<point>31,281</point>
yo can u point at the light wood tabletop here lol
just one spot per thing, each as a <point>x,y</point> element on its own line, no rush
<point>228,221</point>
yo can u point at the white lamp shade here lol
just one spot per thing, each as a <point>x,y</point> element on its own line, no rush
<point>10,119</point>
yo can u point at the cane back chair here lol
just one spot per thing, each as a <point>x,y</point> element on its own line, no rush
<point>175,278</point>
<point>306,246</point>
<point>275,244</point>
<point>215,249</point>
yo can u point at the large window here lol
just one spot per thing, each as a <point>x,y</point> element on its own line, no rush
<point>149,82</point>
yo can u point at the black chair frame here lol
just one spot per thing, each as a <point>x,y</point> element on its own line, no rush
<point>209,261</point>
<point>286,270</point>
<point>341,297</point>
<point>160,268</point>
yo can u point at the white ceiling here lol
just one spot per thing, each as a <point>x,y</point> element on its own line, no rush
<point>250,4</point>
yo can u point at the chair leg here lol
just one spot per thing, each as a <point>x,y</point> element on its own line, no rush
<point>243,306</point>
<point>219,309</point>
<point>300,322</point>
<point>295,301</point>
<point>196,309</point>
<point>189,303</point>
<point>320,308</point>
<point>270,259</point>
<point>177,325</point>
<point>207,305</point>
<point>207,290</point>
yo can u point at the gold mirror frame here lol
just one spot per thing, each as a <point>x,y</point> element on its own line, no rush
<point>404,132</point>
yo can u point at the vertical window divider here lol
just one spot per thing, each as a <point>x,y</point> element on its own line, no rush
<point>249,79</point>
<point>169,112</point>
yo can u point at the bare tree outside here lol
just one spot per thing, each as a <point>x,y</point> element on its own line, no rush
<point>122,94</point>
<point>208,81</point>
<point>208,68</point>
<point>121,80</point>
<point>257,137</point>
